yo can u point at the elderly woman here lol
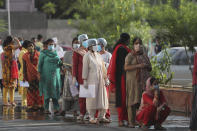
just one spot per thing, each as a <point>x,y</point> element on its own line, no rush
<point>77,61</point>
<point>137,67</point>
<point>153,109</point>
<point>94,73</point>
<point>50,82</point>
<point>10,69</point>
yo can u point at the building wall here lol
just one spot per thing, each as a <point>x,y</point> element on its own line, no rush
<point>25,24</point>
<point>22,5</point>
<point>30,24</point>
<point>62,30</point>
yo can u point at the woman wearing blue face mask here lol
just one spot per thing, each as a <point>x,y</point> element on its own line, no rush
<point>50,82</point>
<point>94,73</point>
<point>102,43</point>
<point>77,64</point>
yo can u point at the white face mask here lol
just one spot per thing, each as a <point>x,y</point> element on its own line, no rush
<point>76,46</point>
<point>94,48</point>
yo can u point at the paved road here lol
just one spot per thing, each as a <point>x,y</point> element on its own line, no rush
<point>18,120</point>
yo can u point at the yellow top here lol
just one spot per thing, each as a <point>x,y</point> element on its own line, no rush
<point>39,44</point>
<point>22,52</point>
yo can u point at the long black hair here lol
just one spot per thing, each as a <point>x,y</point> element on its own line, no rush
<point>27,43</point>
<point>7,41</point>
<point>137,38</point>
<point>74,39</point>
<point>152,79</point>
<point>124,38</point>
<point>48,41</point>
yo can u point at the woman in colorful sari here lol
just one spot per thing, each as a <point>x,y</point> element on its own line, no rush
<point>116,76</point>
<point>30,73</point>
<point>153,109</point>
<point>10,69</point>
<point>22,90</point>
<point>50,82</point>
<point>137,67</point>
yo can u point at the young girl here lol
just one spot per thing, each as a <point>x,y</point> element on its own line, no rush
<point>70,93</point>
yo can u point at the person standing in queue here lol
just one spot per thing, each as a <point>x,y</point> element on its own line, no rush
<point>35,102</point>
<point>137,67</point>
<point>95,73</point>
<point>9,69</point>
<point>116,74</point>
<point>50,82</point>
<point>77,67</point>
<point>102,43</point>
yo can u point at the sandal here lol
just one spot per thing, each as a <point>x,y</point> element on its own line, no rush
<point>57,113</point>
<point>13,104</point>
<point>104,120</point>
<point>93,121</point>
<point>120,124</point>
<point>47,112</point>
<point>131,125</point>
<point>159,127</point>
<point>7,104</point>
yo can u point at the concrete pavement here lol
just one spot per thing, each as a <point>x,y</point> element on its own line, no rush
<point>18,120</point>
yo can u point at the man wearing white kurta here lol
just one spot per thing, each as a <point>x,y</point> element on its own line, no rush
<point>94,73</point>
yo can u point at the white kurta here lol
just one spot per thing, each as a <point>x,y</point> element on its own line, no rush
<point>106,58</point>
<point>94,72</point>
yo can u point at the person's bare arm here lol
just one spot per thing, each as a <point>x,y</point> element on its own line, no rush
<point>18,45</point>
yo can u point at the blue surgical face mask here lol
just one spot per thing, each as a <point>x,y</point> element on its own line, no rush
<point>85,44</point>
<point>51,47</point>
<point>156,87</point>
<point>21,42</point>
<point>99,49</point>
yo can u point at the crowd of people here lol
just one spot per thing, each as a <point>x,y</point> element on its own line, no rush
<point>43,73</point>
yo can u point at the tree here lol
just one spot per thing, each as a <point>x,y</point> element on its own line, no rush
<point>109,18</point>
<point>65,8</point>
<point>176,26</point>
<point>49,9</point>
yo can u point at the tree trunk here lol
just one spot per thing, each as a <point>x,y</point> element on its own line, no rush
<point>188,59</point>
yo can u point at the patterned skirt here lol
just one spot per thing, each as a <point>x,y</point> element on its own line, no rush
<point>33,97</point>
